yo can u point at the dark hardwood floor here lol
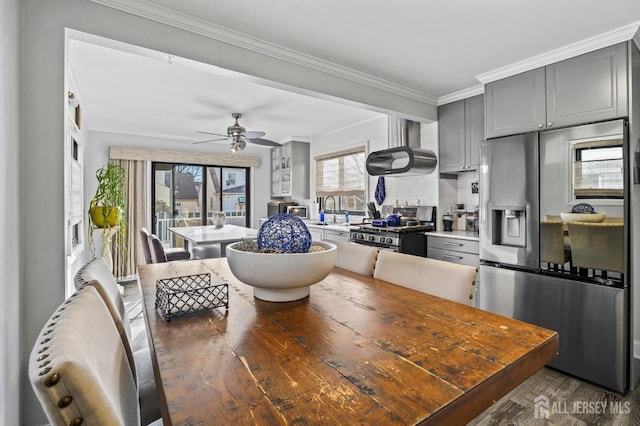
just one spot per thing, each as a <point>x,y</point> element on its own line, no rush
<point>569,401</point>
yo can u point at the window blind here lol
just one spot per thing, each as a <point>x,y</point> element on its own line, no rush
<point>341,173</point>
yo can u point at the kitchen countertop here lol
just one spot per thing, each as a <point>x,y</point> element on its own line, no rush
<point>462,235</point>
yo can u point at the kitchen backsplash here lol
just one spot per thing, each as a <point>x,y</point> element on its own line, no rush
<point>464,184</point>
<point>424,190</point>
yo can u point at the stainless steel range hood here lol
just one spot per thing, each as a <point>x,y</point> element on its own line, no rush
<point>404,155</point>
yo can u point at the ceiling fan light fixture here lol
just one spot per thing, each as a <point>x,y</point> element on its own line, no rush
<point>237,146</point>
<point>239,136</point>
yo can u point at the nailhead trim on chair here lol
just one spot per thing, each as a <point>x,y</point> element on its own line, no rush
<point>60,405</point>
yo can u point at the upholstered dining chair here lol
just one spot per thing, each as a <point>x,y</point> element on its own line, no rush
<point>161,255</point>
<point>96,274</point>
<point>437,277</point>
<point>597,246</point>
<point>78,366</point>
<point>356,258</point>
<point>144,242</point>
<point>552,244</point>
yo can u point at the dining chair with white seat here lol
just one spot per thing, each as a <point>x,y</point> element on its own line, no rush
<point>79,369</point>
<point>443,279</point>
<point>96,274</point>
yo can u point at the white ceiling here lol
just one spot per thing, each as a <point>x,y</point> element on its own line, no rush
<point>436,48</point>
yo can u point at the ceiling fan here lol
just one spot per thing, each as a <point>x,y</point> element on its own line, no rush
<point>239,136</point>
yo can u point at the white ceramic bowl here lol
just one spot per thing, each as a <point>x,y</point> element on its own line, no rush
<point>282,277</point>
<point>582,217</point>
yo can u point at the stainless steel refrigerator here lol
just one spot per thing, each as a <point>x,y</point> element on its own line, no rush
<point>528,177</point>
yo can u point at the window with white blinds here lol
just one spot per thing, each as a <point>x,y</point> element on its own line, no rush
<point>598,170</point>
<point>342,174</point>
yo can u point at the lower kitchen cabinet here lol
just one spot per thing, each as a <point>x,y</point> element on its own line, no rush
<point>329,232</point>
<point>455,250</point>
<point>316,234</point>
<point>342,236</point>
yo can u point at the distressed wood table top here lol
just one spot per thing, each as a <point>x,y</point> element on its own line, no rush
<point>356,351</point>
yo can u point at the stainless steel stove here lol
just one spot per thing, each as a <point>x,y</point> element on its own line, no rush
<point>408,238</point>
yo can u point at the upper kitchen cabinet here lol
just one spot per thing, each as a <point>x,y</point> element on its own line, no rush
<point>290,170</point>
<point>460,129</point>
<point>587,88</point>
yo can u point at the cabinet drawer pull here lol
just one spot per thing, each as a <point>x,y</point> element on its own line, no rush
<point>450,256</point>
<point>447,243</point>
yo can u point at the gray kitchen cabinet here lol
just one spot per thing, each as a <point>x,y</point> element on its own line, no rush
<point>454,250</point>
<point>474,130</point>
<point>516,104</point>
<point>589,87</point>
<point>460,129</point>
<point>290,170</point>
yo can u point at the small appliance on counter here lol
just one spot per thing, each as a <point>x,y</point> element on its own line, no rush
<point>447,222</point>
<point>301,211</point>
<point>472,220</point>
<point>275,207</point>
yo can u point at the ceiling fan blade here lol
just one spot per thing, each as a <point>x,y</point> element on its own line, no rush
<point>210,140</point>
<point>209,133</point>
<point>253,135</point>
<point>263,142</point>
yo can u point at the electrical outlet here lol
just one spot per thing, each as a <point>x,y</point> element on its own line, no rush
<point>474,187</point>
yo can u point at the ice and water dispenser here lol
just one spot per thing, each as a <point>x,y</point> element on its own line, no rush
<point>509,226</point>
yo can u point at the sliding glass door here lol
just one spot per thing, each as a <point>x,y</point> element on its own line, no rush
<point>187,195</point>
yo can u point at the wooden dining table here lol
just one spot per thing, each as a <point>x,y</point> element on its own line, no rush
<point>356,351</point>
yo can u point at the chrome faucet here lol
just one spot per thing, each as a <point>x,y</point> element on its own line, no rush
<point>333,210</point>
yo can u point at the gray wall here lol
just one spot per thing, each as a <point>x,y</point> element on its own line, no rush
<point>9,219</point>
<point>40,175</point>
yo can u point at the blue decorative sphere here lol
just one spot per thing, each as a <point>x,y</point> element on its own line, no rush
<point>583,208</point>
<point>285,233</point>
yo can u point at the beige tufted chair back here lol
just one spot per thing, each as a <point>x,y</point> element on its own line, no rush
<point>356,258</point>
<point>96,273</point>
<point>437,277</point>
<point>78,367</point>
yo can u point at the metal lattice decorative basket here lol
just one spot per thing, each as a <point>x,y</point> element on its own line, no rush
<point>284,233</point>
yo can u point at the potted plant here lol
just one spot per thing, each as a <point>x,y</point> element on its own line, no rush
<point>106,209</point>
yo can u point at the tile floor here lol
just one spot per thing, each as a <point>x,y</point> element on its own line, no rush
<point>570,401</point>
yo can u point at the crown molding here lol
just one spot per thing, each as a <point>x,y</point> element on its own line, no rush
<point>147,9</point>
<point>461,94</point>
<point>165,136</point>
<point>588,45</point>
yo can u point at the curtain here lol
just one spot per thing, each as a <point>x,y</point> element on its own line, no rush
<point>126,261</point>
